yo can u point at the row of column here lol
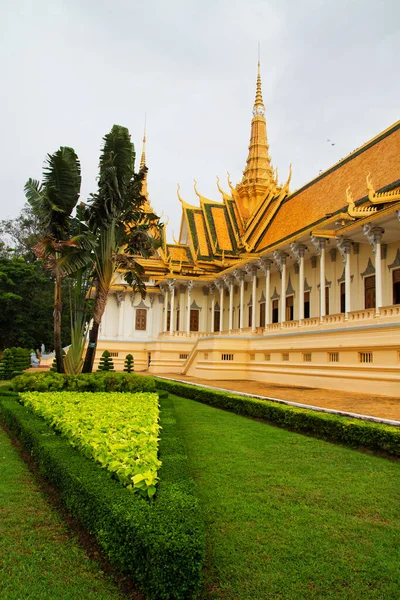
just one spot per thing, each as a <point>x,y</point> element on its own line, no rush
<point>374,236</point>
<point>169,295</point>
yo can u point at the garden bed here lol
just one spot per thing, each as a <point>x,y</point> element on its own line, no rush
<point>158,542</point>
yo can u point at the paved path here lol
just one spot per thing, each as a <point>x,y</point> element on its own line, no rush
<point>384,407</point>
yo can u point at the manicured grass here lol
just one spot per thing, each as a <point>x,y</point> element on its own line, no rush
<point>288,516</point>
<point>39,558</point>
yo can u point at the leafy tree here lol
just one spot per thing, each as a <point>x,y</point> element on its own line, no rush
<point>18,236</point>
<point>106,362</point>
<point>26,305</point>
<point>123,230</point>
<point>52,202</point>
<point>129,364</point>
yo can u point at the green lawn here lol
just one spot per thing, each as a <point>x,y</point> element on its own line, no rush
<point>39,558</point>
<point>288,516</point>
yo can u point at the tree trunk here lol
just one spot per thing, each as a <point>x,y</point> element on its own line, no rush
<point>99,308</point>
<point>57,325</point>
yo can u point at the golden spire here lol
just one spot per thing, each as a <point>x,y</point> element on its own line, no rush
<point>258,177</point>
<point>145,192</point>
<point>143,157</point>
<point>259,100</point>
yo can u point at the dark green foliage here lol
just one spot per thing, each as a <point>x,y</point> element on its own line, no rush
<point>352,432</point>
<point>26,305</point>
<point>53,368</point>
<point>85,382</point>
<point>159,543</point>
<point>129,364</point>
<point>106,362</point>
<point>7,364</point>
<point>14,362</point>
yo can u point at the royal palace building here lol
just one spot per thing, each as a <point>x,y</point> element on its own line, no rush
<point>265,284</point>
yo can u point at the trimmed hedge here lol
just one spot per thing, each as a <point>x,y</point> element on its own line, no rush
<point>85,382</point>
<point>159,543</point>
<point>349,431</point>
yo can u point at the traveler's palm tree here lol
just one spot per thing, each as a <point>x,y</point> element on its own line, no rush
<point>122,228</point>
<point>53,201</point>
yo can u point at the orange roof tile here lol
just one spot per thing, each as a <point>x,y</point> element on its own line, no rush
<point>201,233</point>
<point>178,254</point>
<point>327,194</point>
<point>221,228</point>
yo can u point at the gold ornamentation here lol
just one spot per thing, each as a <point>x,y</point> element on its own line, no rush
<point>381,197</point>
<point>358,211</point>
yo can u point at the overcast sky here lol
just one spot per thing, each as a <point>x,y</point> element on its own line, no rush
<point>71,69</point>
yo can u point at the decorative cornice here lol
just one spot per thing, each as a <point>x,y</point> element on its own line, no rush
<point>238,275</point>
<point>141,305</point>
<point>370,270</point>
<point>373,235</point>
<point>298,250</point>
<point>119,297</point>
<point>396,262</point>
<point>342,277</point>
<point>344,247</point>
<point>265,264</point>
<point>290,290</point>
<point>275,295</point>
<point>319,243</point>
<point>280,258</point>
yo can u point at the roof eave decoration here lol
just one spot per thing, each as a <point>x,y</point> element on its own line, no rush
<point>381,197</point>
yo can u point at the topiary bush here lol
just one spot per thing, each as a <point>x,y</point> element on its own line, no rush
<point>7,364</point>
<point>106,362</point>
<point>129,364</point>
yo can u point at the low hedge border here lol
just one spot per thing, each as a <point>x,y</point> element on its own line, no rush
<point>352,432</point>
<point>159,543</point>
<point>84,382</point>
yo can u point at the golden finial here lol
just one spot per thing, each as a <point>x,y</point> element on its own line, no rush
<point>173,237</point>
<point>195,188</point>
<point>179,196</point>
<point>143,157</point>
<point>371,191</point>
<point>259,100</point>
<point>229,181</point>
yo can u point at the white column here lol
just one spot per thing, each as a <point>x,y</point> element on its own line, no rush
<point>265,265</point>
<point>378,274</point>
<point>283,292</point>
<point>322,278</point>
<point>298,251</point>
<point>344,247</point>
<point>280,258</point>
<point>230,285</point>
<point>189,292</point>
<point>301,286</point>
<point>254,300</point>
<point>221,309</point>
<point>374,235</point>
<point>165,290</point>
<point>172,292</point>
<point>212,292</point>
<point>121,303</point>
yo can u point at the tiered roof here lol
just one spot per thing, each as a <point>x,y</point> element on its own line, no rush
<point>259,214</point>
